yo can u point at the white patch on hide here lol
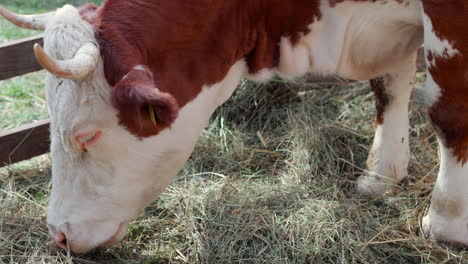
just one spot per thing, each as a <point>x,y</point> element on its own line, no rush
<point>431,92</point>
<point>294,59</point>
<point>432,43</point>
<point>354,40</point>
<point>264,75</point>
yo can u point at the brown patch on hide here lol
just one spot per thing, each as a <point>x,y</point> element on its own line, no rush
<point>450,113</point>
<point>381,98</point>
<point>189,44</point>
<point>446,208</point>
<point>135,93</point>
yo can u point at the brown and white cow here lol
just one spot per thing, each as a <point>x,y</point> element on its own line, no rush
<point>133,83</point>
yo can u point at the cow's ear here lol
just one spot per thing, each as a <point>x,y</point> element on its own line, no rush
<point>142,108</point>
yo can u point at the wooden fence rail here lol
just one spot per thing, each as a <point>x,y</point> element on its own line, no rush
<point>28,141</point>
<point>24,142</point>
<point>17,57</point>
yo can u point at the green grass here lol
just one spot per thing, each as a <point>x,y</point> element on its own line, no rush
<point>22,99</point>
<point>270,181</point>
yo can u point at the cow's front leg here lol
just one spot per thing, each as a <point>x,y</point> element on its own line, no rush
<point>447,219</point>
<point>389,156</point>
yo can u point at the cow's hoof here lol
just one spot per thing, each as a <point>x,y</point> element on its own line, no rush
<point>451,234</point>
<point>372,186</point>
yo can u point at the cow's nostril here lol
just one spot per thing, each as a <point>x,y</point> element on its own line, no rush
<point>61,240</point>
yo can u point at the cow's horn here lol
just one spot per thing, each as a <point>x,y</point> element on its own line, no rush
<point>85,60</point>
<point>36,22</point>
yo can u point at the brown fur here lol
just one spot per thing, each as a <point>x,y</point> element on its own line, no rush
<point>134,93</point>
<point>191,43</point>
<point>450,112</point>
<point>381,98</point>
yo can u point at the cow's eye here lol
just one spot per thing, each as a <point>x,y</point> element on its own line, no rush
<point>87,139</point>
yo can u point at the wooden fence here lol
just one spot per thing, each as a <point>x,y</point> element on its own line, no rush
<point>28,141</point>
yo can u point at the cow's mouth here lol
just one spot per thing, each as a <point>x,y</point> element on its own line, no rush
<point>61,241</point>
<point>119,234</point>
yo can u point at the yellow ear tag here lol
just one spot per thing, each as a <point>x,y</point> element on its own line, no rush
<point>152,115</point>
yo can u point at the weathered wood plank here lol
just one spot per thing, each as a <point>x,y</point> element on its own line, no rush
<point>24,142</point>
<point>17,57</point>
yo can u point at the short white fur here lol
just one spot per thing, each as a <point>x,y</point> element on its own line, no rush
<point>450,187</point>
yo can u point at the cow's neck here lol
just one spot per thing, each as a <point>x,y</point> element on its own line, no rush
<point>190,44</point>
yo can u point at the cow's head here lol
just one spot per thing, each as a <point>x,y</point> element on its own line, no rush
<point>103,173</point>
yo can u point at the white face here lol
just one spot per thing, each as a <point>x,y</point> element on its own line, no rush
<point>95,193</point>
<point>99,185</point>
<point>102,175</point>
